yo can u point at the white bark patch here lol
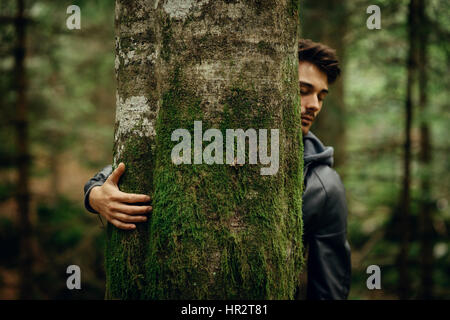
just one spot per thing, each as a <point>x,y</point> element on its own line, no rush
<point>179,9</point>
<point>118,155</point>
<point>136,53</point>
<point>234,11</point>
<point>210,70</point>
<point>117,10</point>
<point>117,63</point>
<point>130,54</point>
<point>132,116</point>
<point>152,57</point>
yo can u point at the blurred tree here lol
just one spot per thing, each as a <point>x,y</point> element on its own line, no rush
<point>425,158</point>
<point>23,154</point>
<point>216,231</point>
<point>405,201</point>
<point>60,119</point>
<point>376,72</point>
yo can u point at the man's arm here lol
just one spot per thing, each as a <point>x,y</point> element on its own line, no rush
<point>329,264</point>
<point>102,195</point>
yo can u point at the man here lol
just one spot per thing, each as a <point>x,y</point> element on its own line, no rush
<point>324,204</point>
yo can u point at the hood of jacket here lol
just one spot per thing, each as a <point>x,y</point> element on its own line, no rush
<point>315,152</point>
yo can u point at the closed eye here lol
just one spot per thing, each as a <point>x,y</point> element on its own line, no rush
<point>322,96</point>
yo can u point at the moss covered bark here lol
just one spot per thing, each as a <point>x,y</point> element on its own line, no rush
<point>216,231</point>
<point>134,141</point>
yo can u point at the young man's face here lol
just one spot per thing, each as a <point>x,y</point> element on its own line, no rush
<point>313,89</point>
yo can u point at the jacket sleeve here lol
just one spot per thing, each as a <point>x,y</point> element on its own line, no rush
<point>98,180</point>
<point>329,264</point>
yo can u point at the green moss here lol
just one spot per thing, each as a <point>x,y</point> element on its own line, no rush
<point>294,7</point>
<point>218,231</point>
<point>166,49</point>
<point>126,250</point>
<point>262,5</point>
<point>245,108</point>
<point>265,48</point>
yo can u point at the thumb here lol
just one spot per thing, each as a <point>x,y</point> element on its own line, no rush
<point>116,174</point>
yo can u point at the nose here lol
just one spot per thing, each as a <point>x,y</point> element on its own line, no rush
<point>310,104</point>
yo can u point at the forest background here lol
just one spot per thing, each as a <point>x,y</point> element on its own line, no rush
<point>387,118</point>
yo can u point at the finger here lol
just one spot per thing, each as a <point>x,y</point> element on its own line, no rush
<point>131,197</point>
<point>121,225</point>
<point>131,209</point>
<point>128,218</point>
<point>116,174</point>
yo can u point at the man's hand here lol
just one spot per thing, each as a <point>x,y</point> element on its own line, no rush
<point>115,205</point>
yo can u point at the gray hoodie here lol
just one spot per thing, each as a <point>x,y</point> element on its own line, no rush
<point>315,151</point>
<point>325,224</point>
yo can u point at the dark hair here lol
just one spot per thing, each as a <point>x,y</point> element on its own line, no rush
<point>321,56</point>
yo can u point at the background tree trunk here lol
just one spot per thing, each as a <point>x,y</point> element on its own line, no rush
<point>425,158</point>
<point>216,231</point>
<point>405,223</point>
<point>23,155</point>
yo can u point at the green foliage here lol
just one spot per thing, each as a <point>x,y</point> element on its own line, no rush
<point>70,101</point>
<point>67,233</point>
<point>374,72</point>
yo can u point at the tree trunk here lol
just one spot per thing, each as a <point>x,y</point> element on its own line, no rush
<point>425,158</point>
<point>217,231</point>
<point>405,224</point>
<point>23,156</point>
